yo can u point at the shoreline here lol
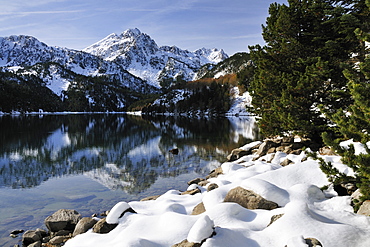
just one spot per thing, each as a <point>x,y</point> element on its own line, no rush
<point>258,148</point>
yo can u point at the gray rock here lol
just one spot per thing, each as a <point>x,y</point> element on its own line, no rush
<point>84,225</point>
<point>16,232</point>
<point>63,219</point>
<point>265,147</point>
<point>249,199</point>
<point>42,232</point>
<point>103,227</point>
<point>237,154</point>
<point>198,209</point>
<point>35,244</point>
<point>46,239</point>
<point>58,240</point>
<point>215,173</point>
<point>63,233</point>
<point>30,237</point>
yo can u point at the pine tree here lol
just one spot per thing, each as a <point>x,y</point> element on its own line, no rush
<point>353,122</point>
<point>307,42</point>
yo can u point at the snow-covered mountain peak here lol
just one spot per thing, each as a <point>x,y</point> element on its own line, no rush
<point>214,54</point>
<point>138,53</point>
<point>134,32</point>
<point>119,45</point>
<point>131,51</point>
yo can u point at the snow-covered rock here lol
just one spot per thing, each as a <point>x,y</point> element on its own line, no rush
<point>202,229</point>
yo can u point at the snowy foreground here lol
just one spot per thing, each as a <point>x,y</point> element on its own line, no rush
<point>307,211</point>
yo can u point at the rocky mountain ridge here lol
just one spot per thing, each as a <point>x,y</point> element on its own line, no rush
<point>141,56</point>
<point>130,64</point>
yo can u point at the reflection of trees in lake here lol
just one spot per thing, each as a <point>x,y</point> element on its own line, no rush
<point>121,152</point>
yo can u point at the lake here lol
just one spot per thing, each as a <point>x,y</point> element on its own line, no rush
<point>89,162</point>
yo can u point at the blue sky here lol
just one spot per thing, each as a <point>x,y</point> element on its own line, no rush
<point>231,25</point>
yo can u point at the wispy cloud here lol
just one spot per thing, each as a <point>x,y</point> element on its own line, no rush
<point>40,12</point>
<point>25,26</point>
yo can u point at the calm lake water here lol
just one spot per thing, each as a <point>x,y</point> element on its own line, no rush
<point>91,162</point>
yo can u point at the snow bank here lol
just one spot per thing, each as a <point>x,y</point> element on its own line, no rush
<point>239,102</point>
<point>305,211</point>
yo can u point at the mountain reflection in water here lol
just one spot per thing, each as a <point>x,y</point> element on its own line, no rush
<point>119,151</point>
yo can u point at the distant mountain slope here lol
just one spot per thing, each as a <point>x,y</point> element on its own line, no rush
<point>118,68</point>
<point>26,51</point>
<point>231,65</point>
<point>141,56</point>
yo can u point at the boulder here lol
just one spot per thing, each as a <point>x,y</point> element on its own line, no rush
<point>237,154</point>
<point>195,181</point>
<point>30,237</point>
<point>63,233</point>
<point>212,187</point>
<point>203,183</point>
<point>191,192</point>
<point>58,240</point>
<point>35,244</point>
<point>198,209</point>
<point>364,208</point>
<point>265,146</point>
<point>215,173</point>
<point>83,225</point>
<point>63,219</point>
<point>286,162</point>
<point>103,227</point>
<point>249,199</point>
